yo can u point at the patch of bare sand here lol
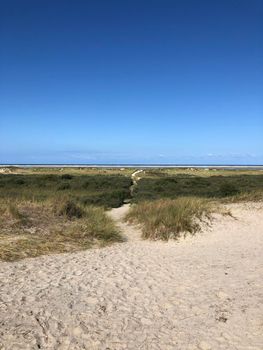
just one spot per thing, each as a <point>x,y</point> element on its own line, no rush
<point>204,292</point>
<point>130,232</point>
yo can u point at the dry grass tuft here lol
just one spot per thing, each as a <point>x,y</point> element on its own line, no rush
<point>166,218</point>
<point>29,229</point>
<point>253,196</point>
<point>21,218</point>
<point>69,209</point>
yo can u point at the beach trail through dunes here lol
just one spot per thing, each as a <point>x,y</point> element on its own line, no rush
<point>130,232</point>
<point>203,292</point>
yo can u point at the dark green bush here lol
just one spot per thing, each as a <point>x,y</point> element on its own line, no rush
<point>63,187</point>
<point>66,177</point>
<point>20,182</point>
<point>50,177</point>
<point>102,190</point>
<point>216,186</point>
<point>112,199</point>
<point>228,189</point>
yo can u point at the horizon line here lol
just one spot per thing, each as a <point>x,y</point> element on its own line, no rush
<point>129,165</point>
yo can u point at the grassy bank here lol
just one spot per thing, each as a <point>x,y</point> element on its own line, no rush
<point>30,229</point>
<point>166,218</point>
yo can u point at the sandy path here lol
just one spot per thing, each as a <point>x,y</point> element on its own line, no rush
<point>135,178</point>
<point>130,232</point>
<point>201,293</point>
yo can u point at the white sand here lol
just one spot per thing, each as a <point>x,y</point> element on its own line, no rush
<point>204,292</point>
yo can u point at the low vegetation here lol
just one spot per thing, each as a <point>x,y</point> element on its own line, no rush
<point>69,209</point>
<point>224,186</point>
<point>171,202</point>
<point>166,218</point>
<point>56,210</point>
<point>30,229</point>
<point>53,210</point>
<point>104,190</point>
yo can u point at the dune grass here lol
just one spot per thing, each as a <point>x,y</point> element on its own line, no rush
<point>30,229</point>
<point>53,210</point>
<point>166,218</point>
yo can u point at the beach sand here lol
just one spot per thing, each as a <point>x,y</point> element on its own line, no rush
<point>203,292</point>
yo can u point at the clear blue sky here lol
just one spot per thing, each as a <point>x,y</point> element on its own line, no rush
<point>157,81</point>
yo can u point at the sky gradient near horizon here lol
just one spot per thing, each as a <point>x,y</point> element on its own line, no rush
<point>156,81</point>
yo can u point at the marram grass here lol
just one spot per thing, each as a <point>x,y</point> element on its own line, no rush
<point>166,218</point>
<point>30,229</point>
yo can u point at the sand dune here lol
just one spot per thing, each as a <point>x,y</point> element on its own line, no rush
<point>204,292</point>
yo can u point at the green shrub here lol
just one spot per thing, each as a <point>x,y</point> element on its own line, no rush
<point>50,177</point>
<point>20,182</point>
<point>228,189</point>
<point>63,187</point>
<point>212,186</point>
<point>66,177</point>
<point>90,189</point>
<point>112,199</point>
